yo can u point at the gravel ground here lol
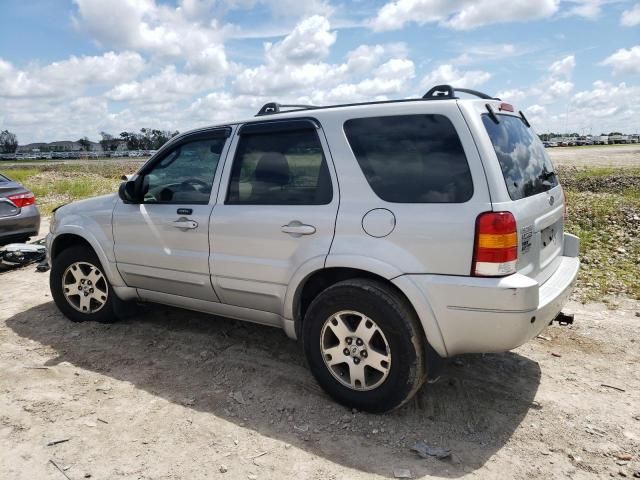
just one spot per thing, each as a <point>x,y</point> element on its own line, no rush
<point>597,156</point>
<point>172,394</point>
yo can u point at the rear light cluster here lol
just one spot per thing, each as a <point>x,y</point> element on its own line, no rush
<point>496,245</point>
<point>22,199</point>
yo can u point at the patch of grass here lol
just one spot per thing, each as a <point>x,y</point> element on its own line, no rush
<point>583,173</point>
<point>57,184</point>
<point>20,174</point>
<point>608,224</point>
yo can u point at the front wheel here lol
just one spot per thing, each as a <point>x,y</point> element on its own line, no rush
<point>364,345</point>
<point>80,288</point>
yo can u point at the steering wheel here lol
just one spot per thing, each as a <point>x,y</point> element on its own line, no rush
<point>195,181</point>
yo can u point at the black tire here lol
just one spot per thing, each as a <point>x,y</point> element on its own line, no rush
<point>66,258</point>
<point>395,319</point>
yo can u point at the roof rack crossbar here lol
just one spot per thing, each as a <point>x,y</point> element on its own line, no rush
<point>439,92</point>
<point>448,92</point>
<point>272,107</point>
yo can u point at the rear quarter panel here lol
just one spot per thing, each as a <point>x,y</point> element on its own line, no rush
<point>432,238</point>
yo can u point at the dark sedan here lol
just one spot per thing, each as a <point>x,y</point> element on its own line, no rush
<point>19,216</point>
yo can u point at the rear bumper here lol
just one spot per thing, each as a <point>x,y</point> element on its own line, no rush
<point>24,224</point>
<point>482,315</point>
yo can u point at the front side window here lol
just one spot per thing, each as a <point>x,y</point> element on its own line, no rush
<point>525,165</point>
<point>185,174</point>
<point>280,168</point>
<point>411,158</point>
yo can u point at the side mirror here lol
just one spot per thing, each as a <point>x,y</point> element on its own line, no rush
<point>127,192</point>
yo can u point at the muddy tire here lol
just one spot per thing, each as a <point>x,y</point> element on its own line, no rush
<point>364,345</point>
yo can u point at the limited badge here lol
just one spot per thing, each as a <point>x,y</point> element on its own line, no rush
<point>525,238</point>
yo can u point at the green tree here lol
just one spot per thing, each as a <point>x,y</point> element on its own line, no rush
<point>109,143</point>
<point>85,144</point>
<point>8,142</point>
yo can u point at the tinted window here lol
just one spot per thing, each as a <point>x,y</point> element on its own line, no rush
<point>526,167</point>
<point>280,168</point>
<point>411,158</point>
<point>185,174</point>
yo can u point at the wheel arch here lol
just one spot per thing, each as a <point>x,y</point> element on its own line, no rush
<point>72,237</point>
<point>318,280</point>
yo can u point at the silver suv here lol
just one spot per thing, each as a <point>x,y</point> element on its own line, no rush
<point>378,234</point>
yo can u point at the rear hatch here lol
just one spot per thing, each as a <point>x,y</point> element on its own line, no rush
<point>534,194</point>
<point>8,187</point>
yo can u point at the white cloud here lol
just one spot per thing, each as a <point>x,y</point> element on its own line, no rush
<point>163,31</point>
<point>631,17</point>
<point>513,95</point>
<point>563,68</point>
<point>460,14</point>
<point>69,77</point>
<point>167,86</point>
<point>589,9</point>
<point>607,105</point>
<point>557,85</point>
<point>491,51</point>
<point>295,68</point>
<point>625,61</point>
<point>448,74</point>
<point>309,41</point>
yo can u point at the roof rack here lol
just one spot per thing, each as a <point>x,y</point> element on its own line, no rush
<point>439,92</point>
<point>272,107</point>
<point>447,91</point>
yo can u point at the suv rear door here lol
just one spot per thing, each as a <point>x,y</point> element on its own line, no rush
<point>276,210</point>
<point>522,181</point>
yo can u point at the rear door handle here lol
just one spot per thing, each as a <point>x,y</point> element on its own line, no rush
<point>185,224</point>
<point>297,229</point>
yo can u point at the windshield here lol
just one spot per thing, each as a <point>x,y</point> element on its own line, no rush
<point>526,167</point>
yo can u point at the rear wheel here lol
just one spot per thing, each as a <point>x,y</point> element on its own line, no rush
<point>80,288</point>
<point>364,345</point>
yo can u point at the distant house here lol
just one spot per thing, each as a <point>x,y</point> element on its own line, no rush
<point>61,146</point>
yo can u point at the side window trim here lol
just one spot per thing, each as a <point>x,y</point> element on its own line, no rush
<point>170,147</point>
<point>366,168</point>
<point>274,126</point>
<point>279,126</point>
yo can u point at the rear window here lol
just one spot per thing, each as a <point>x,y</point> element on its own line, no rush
<point>526,167</point>
<point>411,158</point>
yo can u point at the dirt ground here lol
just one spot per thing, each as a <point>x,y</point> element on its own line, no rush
<point>597,156</point>
<point>171,394</point>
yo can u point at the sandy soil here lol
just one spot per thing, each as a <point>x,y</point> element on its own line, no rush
<point>171,394</point>
<point>597,156</point>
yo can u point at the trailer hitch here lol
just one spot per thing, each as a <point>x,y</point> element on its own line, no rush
<point>564,319</point>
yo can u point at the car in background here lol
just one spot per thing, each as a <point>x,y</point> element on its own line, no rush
<point>19,215</point>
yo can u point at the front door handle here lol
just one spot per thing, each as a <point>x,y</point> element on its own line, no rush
<point>183,223</point>
<point>296,228</point>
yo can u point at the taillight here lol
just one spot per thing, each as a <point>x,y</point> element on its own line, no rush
<point>496,245</point>
<point>22,199</point>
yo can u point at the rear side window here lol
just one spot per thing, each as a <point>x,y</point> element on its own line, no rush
<point>411,158</point>
<point>3,178</point>
<point>280,168</point>
<point>526,167</point>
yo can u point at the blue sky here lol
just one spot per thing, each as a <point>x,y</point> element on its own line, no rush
<point>75,68</point>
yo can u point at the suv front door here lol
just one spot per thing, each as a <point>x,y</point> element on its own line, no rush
<point>277,213</point>
<point>162,244</point>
